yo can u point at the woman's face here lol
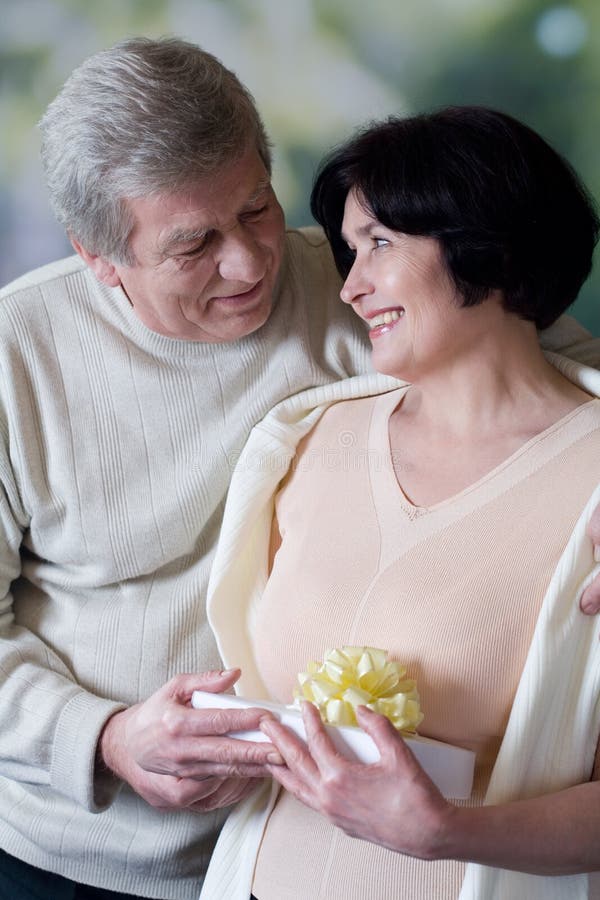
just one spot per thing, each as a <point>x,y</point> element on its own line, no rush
<point>400,286</point>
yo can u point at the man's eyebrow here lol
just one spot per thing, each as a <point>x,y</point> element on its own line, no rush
<point>261,187</point>
<point>181,236</point>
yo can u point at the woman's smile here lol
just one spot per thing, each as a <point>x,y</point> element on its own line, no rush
<point>382,322</point>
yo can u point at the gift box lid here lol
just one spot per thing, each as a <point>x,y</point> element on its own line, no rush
<point>450,768</point>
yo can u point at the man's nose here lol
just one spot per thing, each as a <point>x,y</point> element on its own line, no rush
<point>241,257</point>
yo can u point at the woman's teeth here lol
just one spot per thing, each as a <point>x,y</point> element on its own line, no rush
<point>386,318</point>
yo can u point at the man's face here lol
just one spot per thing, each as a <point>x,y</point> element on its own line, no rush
<point>207,258</point>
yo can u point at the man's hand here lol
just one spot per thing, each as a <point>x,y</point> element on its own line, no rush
<point>590,599</point>
<point>176,757</point>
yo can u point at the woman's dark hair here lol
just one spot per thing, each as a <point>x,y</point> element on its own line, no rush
<point>509,212</point>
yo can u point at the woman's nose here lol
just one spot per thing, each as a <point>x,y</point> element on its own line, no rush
<point>355,285</point>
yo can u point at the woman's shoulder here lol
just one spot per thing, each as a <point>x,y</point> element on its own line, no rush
<point>346,423</point>
<point>339,445</point>
<point>331,462</point>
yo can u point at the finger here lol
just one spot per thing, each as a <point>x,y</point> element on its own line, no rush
<point>593,527</point>
<point>293,784</point>
<point>167,792</point>
<point>180,720</point>
<point>392,748</point>
<point>319,743</point>
<point>292,748</point>
<point>201,770</point>
<point>216,755</point>
<point>204,787</point>
<point>232,790</point>
<point>590,599</point>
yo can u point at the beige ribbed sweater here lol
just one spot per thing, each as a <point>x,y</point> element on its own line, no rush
<point>116,449</point>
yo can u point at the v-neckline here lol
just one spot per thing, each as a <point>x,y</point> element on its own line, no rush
<point>386,405</point>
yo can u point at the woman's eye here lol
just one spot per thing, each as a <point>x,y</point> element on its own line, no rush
<point>380,242</point>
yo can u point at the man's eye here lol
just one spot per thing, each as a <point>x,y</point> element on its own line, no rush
<point>251,214</point>
<point>380,242</point>
<point>194,251</point>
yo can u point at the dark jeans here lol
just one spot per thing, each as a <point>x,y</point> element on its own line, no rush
<point>20,881</point>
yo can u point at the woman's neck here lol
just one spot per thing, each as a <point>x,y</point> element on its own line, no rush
<point>456,425</point>
<point>497,384</point>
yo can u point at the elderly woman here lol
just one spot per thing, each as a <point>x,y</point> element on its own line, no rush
<point>441,520</point>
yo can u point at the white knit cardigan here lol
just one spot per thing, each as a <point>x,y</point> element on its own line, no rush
<point>554,724</point>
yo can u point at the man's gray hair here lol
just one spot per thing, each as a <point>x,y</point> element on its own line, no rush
<point>144,117</point>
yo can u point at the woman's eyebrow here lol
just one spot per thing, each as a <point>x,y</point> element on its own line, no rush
<point>361,231</point>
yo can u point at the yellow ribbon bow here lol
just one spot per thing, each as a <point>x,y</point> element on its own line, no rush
<point>360,676</point>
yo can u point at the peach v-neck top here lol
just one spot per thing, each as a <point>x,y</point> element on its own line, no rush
<point>452,591</point>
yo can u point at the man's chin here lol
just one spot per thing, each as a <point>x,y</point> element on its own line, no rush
<point>243,323</point>
<point>255,320</point>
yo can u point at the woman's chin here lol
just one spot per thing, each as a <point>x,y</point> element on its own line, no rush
<point>392,368</point>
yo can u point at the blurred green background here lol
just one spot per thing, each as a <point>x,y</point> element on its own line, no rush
<point>317,68</point>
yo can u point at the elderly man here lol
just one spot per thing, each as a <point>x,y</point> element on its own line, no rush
<point>132,374</point>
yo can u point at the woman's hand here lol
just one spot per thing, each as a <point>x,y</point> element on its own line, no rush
<point>590,599</point>
<point>395,804</point>
<point>391,802</point>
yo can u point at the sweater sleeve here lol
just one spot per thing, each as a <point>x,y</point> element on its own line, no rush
<point>49,724</point>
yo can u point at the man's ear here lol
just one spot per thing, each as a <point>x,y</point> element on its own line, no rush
<point>104,270</point>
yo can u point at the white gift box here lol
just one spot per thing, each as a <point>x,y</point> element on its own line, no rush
<point>450,768</point>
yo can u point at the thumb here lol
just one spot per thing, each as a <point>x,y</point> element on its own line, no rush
<point>590,599</point>
<point>183,686</point>
<point>216,682</point>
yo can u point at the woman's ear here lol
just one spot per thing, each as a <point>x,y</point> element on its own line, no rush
<point>102,268</point>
